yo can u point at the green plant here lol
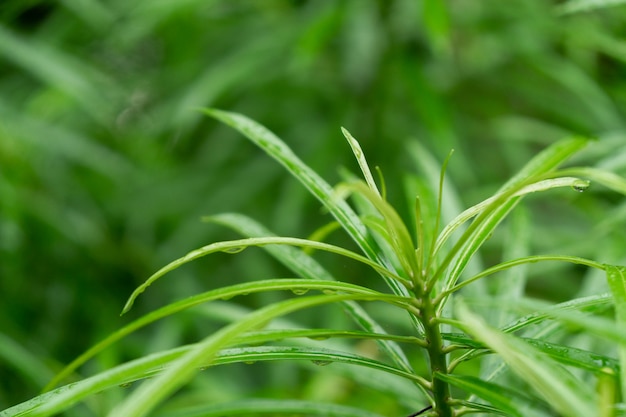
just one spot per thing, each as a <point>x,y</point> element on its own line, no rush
<point>522,371</point>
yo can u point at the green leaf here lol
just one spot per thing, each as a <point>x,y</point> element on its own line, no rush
<point>480,407</point>
<point>509,401</point>
<point>577,6</point>
<point>542,185</point>
<point>616,276</point>
<point>235,246</point>
<point>261,406</point>
<point>318,356</point>
<point>263,336</point>
<point>496,209</point>
<point>397,235</point>
<point>61,71</point>
<point>546,161</point>
<point>278,150</point>
<point>572,317</point>
<point>180,363</point>
<point>437,23</point>
<point>360,157</point>
<point>566,355</point>
<point>544,312</point>
<point>149,395</point>
<point>23,361</point>
<point>307,267</point>
<point>223,293</point>
<point>606,178</point>
<point>524,261</point>
<point>557,386</point>
<point>316,185</point>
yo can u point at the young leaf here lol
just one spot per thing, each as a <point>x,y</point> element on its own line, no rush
<point>360,157</point>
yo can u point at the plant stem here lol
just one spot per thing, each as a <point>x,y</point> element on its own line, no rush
<point>437,357</point>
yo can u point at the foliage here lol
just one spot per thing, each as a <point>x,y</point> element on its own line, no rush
<point>106,168</point>
<point>424,273</point>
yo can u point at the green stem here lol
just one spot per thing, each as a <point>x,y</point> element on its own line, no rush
<point>437,357</point>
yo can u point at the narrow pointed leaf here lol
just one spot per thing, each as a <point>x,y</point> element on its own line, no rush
<point>360,157</point>
<point>278,150</point>
<point>142,401</point>
<point>616,276</point>
<point>235,246</point>
<point>316,185</point>
<point>511,402</point>
<point>306,266</point>
<point>560,389</point>
<point>271,407</point>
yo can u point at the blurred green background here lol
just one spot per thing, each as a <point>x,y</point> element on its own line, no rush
<point>106,165</point>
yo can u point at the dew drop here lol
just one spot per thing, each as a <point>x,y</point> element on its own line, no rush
<point>329,291</point>
<point>235,249</point>
<point>319,337</point>
<point>250,362</point>
<point>321,363</point>
<point>580,185</point>
<point>299,291</point>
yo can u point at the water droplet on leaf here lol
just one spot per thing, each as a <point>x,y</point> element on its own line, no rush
<point>580,185</point>
<point>300,291</point>
<point>319,337</point>
<point>235,249</point>
<point>321,363</point>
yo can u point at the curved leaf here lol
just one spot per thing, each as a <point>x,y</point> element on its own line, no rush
<point>261,406</point>
<point>563,392</point>
<point>223,293</point>
<point>234,246</point>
